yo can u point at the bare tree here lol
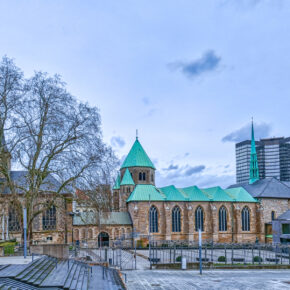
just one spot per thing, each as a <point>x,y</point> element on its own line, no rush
<point>56,139</point>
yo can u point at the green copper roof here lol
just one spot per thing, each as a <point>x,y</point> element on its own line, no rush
<point>127,178</point>
<point>109,218</point>
<point>240,194</point>
<point>146,192</point>
<point>192,193</point>
<point>254,169</point>
<point>217,194</point>
<point>117,182</point>
<point>172,193</point>
<point>137,157</point>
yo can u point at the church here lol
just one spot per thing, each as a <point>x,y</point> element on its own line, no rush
<point>241,213</point>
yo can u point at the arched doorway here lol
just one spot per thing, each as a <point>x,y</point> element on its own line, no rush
<point>103,239</point>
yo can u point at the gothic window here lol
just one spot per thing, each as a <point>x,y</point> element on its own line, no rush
<point>140,175</point>
<point>144,176</point>
<point>14,221</point>
<point>153,220</point>
<point>222,219</point>
<point>176,223</point>
<point>272,215</point>
<point>246,219</point>
<point>49,219</point>
<point>199,219</point>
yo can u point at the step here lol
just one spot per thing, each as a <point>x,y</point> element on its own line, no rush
<point>41,272</point>
<point>74,282</point>
<point>58,276</point>
<point>81,278</point>
<point>70,276</point>
<point>36,270</point>
<point>29,268</point>
<point>86,279</point>
<point>44,274</point>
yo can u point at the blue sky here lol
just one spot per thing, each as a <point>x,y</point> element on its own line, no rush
<point>189,75</point>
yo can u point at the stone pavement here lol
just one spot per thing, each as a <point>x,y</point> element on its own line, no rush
<point>15,260</point>
<point>213,279</point>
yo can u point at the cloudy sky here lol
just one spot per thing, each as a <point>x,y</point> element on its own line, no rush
<point>189,75</point>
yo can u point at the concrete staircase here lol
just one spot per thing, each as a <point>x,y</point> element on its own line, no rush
<point>50,273</point>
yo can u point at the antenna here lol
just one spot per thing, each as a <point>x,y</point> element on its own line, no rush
<point>136,134</point>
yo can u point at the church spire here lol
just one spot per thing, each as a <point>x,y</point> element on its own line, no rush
<point>254,169</point>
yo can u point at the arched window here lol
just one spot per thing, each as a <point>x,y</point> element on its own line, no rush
<point>49,219</point>
<point>103,239</point>
<point>144,176</point>
<point>152,177</point>
<point>223,219</point>
<point>140,175</point>
<point>272,215</point>
<point>246,219</point>
<point>199,219</point>
<point>153,219</point>
<point>14,220</point>
<point>176,224</point>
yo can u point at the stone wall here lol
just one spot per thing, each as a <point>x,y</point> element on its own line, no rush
<point>61,234</point>
<point>139,212</point>
<point>90,233</point>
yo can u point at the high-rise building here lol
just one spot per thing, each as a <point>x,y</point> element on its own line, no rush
<point>273,156</point>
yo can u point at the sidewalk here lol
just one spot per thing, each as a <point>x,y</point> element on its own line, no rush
<point>16,260</point>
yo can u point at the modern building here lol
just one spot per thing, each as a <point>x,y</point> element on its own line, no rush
<point>273,159</point>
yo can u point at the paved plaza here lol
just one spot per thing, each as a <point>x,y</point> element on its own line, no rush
<point>214,279</point>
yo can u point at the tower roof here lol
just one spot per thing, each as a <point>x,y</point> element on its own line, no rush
<point>117,182</point>
<point>137,157</point>
<point>254,169</point>
<point>127,178</point>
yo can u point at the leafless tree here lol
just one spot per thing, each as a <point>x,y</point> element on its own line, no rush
<point>55,138</point>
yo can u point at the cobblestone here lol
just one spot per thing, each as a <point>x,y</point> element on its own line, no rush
<point>214,279</point>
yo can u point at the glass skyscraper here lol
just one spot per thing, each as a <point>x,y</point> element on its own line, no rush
<point>273,159</point>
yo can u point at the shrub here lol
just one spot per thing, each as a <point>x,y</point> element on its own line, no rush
<point>221,259</point>
<point>8,250</point>
<point>164,245</point>
<point>140,244</point>
<point>178,259</point>
<point>257,259</point>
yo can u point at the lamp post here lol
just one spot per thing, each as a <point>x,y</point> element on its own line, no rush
<point>25,231</point>
<point>200,256</point>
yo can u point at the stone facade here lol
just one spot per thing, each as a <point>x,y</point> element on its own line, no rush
<point>89,234</point>
<point>62,233</point>
<point>139,212</point>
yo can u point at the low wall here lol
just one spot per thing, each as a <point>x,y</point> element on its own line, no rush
<point>60,251</point>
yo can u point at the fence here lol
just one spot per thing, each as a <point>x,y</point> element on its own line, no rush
<point>215,255</point>
<point>121,254</point>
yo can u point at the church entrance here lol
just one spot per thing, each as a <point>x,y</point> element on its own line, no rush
<point>103,239</point>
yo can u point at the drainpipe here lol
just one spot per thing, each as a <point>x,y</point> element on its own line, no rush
<point>232,221</point>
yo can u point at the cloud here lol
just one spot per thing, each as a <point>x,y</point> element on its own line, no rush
<point>171,167</point>
<point>262,130</point>
<point>194,170</point>
<point>183,171</point>
<point>117,142</point>
<point>208,62</point>
<point>146,101</point>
